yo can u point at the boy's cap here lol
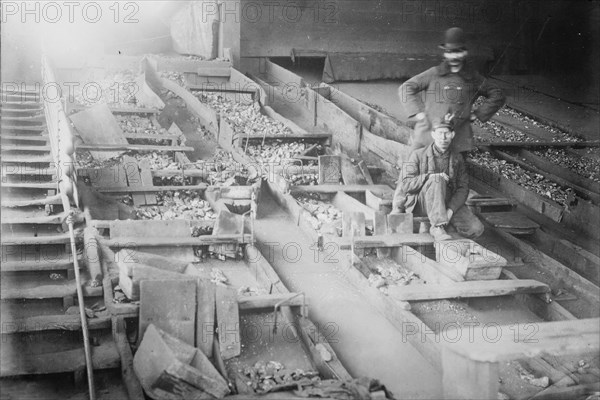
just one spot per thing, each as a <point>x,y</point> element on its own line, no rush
<point>445,122</point>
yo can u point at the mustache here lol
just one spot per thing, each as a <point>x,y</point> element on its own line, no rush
<point>458,56</point>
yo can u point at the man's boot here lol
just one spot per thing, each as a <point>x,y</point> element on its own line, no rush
<point>439,233</point>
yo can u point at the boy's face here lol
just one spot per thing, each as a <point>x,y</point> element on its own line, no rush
<point>442,137</point>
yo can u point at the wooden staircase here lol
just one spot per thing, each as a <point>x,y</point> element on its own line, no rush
<point>41,328</point>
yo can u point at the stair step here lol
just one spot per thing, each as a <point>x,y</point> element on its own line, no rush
<point>31,202</point>
<point>26,217</point>
<point>20,239</point>
<point>21,159</point>
<point>30,185</point>
<point>43,289</point>
<point>32,128</point>
<point>32,149</point>
<point>17,359</point>
<point>37,323</point>
<point>23,138</point>
<point>59,264</point>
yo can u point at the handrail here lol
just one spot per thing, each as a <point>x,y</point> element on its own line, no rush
<point>62,149</point>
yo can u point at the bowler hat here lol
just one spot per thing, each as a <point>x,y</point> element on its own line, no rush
<point>454,39</point>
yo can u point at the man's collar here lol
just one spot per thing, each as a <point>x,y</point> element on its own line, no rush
<point>438,152</point>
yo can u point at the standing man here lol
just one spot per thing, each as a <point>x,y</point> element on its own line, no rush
<point>451,87</point>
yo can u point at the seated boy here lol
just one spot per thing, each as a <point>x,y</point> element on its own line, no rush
<point>434,182</point>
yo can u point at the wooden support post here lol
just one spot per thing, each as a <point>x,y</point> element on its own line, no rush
<point>380,228</point>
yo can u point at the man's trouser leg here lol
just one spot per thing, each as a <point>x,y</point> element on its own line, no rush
<point>466,223</point>
<point>432,201</point>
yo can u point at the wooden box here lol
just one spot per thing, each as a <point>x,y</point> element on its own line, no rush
<point>470,259</point>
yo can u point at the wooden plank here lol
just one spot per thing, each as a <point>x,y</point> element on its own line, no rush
<point>346,131</point>
<point>392,240</point>
<point>306,331</point>
<point>97,125</point>
<point>542,205</point>
<point>104,356</point>
<point>376,122</point>
<point>538,305</point>
<point>169,305</point>
<point>365,171</point>
<point>400,223</point>
<point>147,181</point>
<point>228,321</point>
<point>128,376</point>
<point>133,179</point>
<point>344,202</point>
<point>468,289</point>
<point>103,148</point>
<point>510,221</point>
<point>68,322</point>
<point>340,188</point>
<point>521,145</point>
<point>268,301</point>
<point>578,284</point>
<point>208,117</point>
<point>149,189</point>
<point>380,228</point>
<point>330,171</point>
<point>581,191</point>
<point>169,241</point>
<point>469,259</point>
<point>564,173</point>
<point>524,340</point>
<point>429,270</point>
<point>205,316</point>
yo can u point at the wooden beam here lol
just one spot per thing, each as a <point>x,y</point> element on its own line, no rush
<point>269,301</point>
<point>527,340</point>
<point>150,189</point>
<point>340,188</point>
<point>588,143</point>
<point>582,191</point>
<point>104,356</point>
<point>128,376</point>
<point>133,242</point>
<point>467,289</point>
<point>131,147</point>
<point>429,270</point>
<point>391,240</point>
<point>578,284</point>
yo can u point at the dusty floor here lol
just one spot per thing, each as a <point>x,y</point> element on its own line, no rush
<point>367,344</point>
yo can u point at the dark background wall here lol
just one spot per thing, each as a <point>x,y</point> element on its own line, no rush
<point>541,37</point>
<point>557,38</point>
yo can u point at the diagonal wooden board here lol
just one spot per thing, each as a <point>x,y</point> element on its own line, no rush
<point>134,179</point>
<point>146,176</point>
<point>228,320</point>
<point>467,289</point>
<point>97,125</point>
<point>149,229</point>
<point>171,306</point>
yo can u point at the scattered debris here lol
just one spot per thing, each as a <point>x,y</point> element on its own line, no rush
<point>527,376</point>
<point>324,217</point>
<point>181,204</point>
<point>218,277</point>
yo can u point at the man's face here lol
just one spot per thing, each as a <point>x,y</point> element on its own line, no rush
<point>442,137</point>
<point>455,58</point>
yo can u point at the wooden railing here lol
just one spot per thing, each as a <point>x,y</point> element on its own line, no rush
<point>61,137</point>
